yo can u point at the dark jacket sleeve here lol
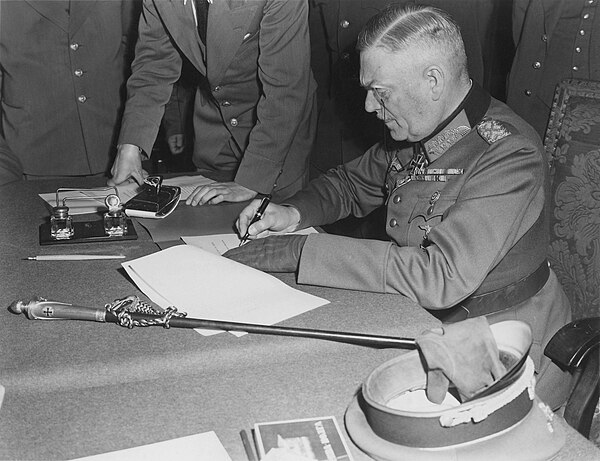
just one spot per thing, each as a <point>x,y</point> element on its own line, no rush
<point>157,66</point>
<point>287,92</point>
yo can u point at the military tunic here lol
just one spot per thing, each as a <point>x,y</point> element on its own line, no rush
<point>61,80</point>
<point>471,221</point>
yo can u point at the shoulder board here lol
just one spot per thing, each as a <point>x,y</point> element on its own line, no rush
<point>492,130</point>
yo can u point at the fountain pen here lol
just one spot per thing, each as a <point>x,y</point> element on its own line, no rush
<point>257,216</point>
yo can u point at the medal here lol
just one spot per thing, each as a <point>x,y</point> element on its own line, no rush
<point>426,242</point>
<point>434,198</point>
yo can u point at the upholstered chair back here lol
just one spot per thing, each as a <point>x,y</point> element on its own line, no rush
<point>572,143</point>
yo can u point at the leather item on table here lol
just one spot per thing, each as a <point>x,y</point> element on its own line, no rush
<point>277,253</point>
<point>464,353</point>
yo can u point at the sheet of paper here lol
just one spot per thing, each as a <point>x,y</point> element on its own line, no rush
<point>220,243</point>
<point>198,447</point>
<point>187,184</point>
<point>209,286</point>
<point>83,201</point>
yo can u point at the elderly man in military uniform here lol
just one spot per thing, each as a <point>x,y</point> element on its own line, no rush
<point>463,181</point>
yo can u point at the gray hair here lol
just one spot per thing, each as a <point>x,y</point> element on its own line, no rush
<point>398,28</point>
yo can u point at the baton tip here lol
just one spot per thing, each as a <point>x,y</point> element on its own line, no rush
<point>16,307</point>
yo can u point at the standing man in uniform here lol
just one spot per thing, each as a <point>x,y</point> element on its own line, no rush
<point>555,39</point>
<point>253,114</point>
<point>463,181</point>
<point>63,67</point>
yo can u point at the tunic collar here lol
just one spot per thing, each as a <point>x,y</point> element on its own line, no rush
<point>467,115</point>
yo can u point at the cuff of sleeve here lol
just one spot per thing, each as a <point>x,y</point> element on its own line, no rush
<point>344,262</point>
<point>257,173</point>
<point>139,132</point>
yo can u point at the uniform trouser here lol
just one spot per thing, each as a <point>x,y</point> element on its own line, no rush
<point>545,312</point>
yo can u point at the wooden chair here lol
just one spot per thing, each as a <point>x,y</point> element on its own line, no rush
<point>572,144</point>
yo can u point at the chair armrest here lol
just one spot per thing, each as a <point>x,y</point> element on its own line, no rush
<point>572,343</point>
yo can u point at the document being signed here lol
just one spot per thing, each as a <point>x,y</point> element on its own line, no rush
<point>208,286</point>
<point>220,243</point>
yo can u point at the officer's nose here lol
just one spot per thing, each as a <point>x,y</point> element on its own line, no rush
<point>371,102</point>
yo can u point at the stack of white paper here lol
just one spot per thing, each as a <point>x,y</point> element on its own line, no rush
<point>209,286</point>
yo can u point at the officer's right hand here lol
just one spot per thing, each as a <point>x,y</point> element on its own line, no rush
<point>127,166</point>
<point>277,218</point>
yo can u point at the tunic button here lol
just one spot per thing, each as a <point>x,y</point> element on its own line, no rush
<point>74,46</point>
<point>397,199</point>
<point>575,68</point>
<point>345,56</point>
<point>344,24</point>
<point>233,122</point>
<point>78,73</point>
<point>544,38</point>
<point>586,16</point>
<point>226,104</point>
<point>393,222</point>
<point>537,65</point>
<point>527,92</point>
<point>82,98</point>
<point>217,88</point>
<point>582,32</point>
<point>578,49</point>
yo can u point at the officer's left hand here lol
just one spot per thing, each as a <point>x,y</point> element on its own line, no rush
<point>464,353</point>
<point>218,192</point>
<point>277,253</point>
<point>176,143</point>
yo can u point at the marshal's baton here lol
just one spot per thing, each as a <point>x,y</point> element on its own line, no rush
<point>131,311</point>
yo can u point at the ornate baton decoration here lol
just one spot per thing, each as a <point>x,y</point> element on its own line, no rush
<point>132,312</point>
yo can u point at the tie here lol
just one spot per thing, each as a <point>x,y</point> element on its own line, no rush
<point>202,15</point>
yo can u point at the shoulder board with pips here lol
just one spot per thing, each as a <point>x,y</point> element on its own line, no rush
<point>492,130</point>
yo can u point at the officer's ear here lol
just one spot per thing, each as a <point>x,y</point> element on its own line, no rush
<point>435,79</point>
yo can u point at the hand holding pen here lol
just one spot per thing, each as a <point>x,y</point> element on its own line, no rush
<point>264,203</point>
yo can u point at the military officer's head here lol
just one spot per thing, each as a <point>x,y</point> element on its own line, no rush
<point>414,67</point>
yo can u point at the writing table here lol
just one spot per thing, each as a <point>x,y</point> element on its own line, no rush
<point>80,388</point>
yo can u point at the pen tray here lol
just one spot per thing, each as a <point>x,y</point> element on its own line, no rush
<point>150,204</point>
<point>86,232</point>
